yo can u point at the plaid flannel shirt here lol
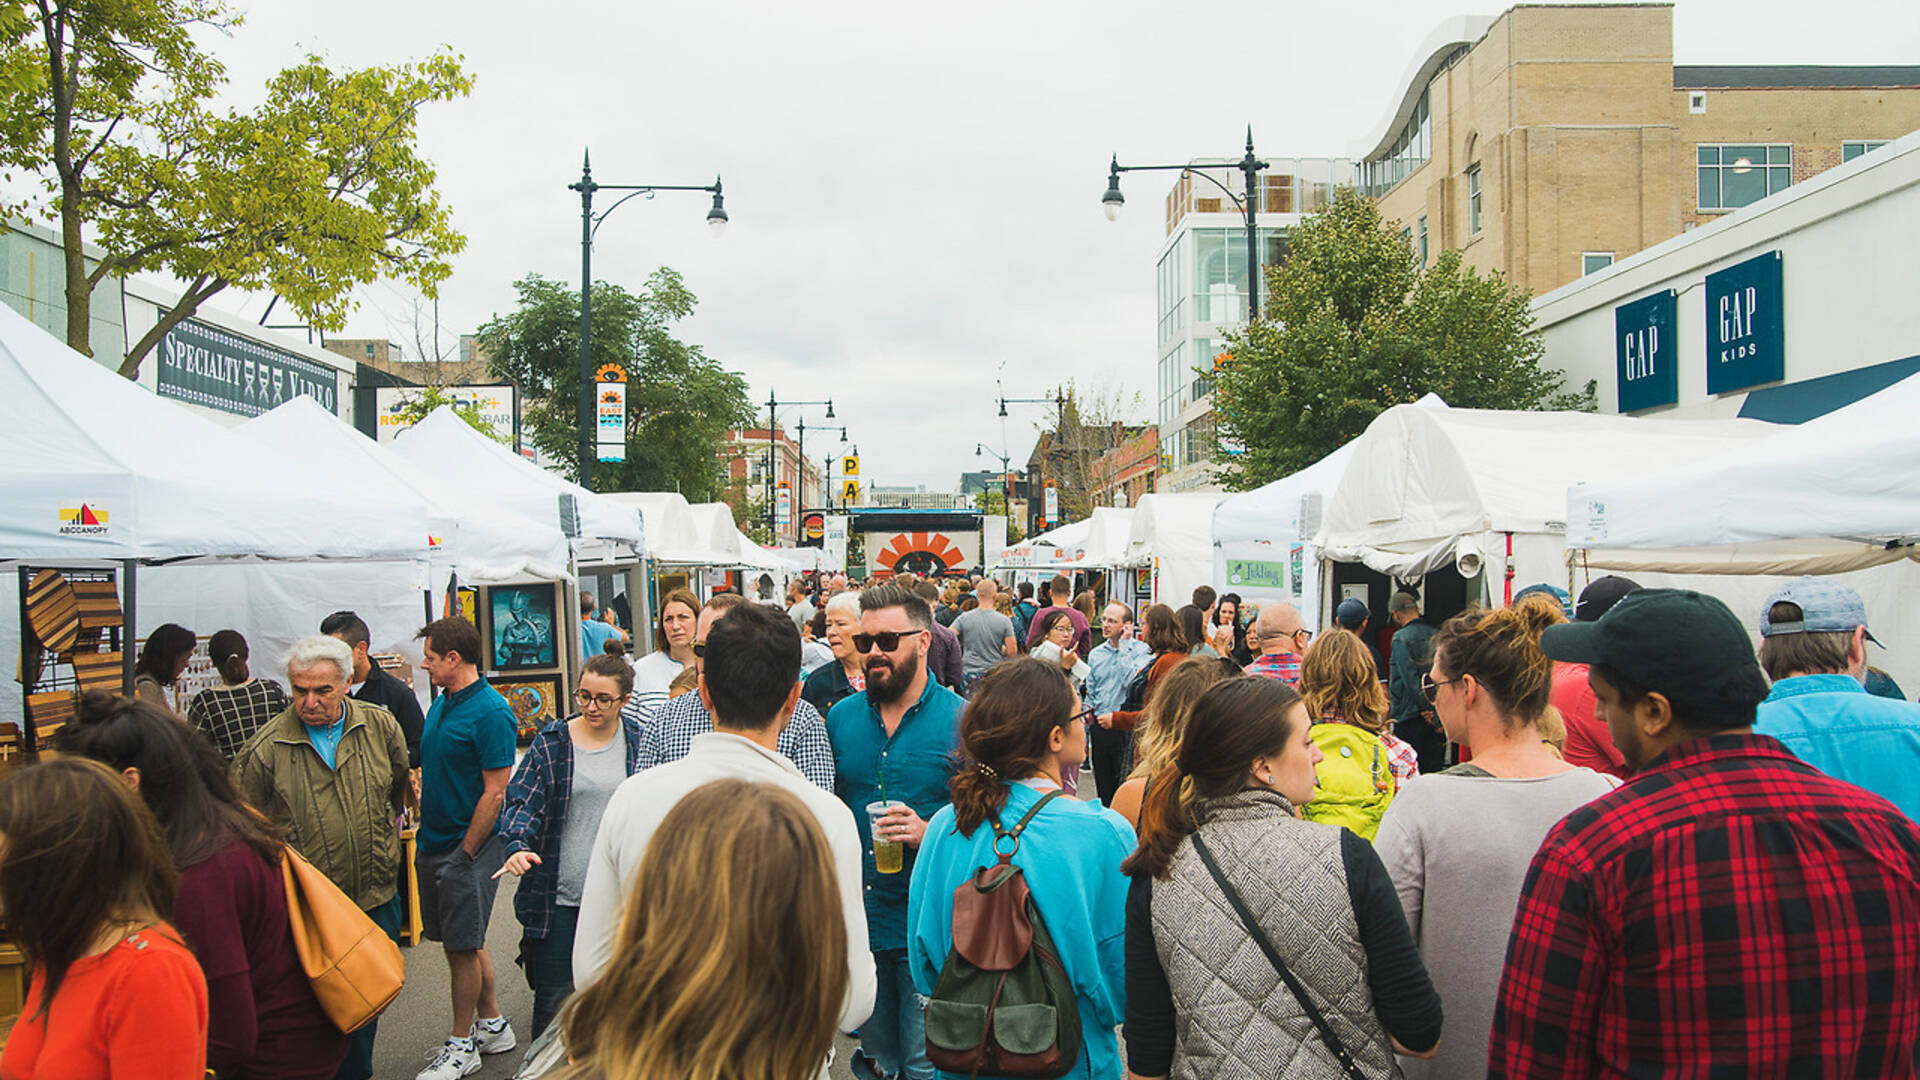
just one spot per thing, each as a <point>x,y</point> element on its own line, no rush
<point>1282,666</point>
<point>1401,757</point>
<point>667,735</point>
<point>536,811</point>
<point>231,714</point>
<point>1729,911</point>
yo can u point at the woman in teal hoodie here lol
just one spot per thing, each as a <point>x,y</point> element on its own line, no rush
<point>1022,726</point>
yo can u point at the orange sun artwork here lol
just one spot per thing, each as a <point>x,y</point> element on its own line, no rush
<point>921,553</point>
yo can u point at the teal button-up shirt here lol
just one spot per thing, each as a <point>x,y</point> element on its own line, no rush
<point>917,760</point>
<point>1833,724</point>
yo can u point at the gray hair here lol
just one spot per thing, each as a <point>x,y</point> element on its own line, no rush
<point>320,649</point>
<point>844,603</point>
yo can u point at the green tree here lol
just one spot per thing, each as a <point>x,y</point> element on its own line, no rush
<point>1352,326</point>
<point>318,190</point>
<point>994,501</point>
<point>680,403</point>
<point>413,408</point>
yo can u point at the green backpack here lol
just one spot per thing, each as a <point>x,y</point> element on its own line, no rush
<point>1003,1005</point>
<point>1355,781</point>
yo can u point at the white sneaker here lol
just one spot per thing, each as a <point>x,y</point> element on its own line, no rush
<point>451,1061</point>
<point>493,1042</point>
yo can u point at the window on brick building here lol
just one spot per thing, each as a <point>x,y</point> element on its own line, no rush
<point>1473,201</point>
<point>1423,239</point>
<point>1853,148</point>
<point>1595,260</point>
<point>1733,175</point>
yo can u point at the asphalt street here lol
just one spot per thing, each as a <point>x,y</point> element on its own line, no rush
<point>418,1020</point>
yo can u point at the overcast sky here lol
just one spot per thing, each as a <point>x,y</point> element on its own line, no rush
<point>915,192</point>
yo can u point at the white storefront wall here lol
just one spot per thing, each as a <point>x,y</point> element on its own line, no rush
<point>1846,245</point>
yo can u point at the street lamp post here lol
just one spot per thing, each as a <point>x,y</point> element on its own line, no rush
<point>1059,402</point>
<point>589,224</point>
<point>1249,166</point>
<point>842,429</point>
<point>773,411</point>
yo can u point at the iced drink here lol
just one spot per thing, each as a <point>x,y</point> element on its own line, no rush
<point>887,854</point>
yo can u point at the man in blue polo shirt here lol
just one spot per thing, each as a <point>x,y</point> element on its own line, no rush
<point>466,757</point>
<point>898,736</point>
<point>594,632</point>
<point>1813,646</point>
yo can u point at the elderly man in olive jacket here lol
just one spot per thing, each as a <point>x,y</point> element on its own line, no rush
<point>333,772</point>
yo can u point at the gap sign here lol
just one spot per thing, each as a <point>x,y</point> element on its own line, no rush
<point>1745,339</point>
<point>1646,350</point>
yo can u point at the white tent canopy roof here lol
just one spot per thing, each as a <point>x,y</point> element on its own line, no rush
<point>672,533</point>
<point>1422,482</point>
<point>1835,493</point>
<point>475,467</point>
<point>482,542</point>
<point>1176,530</point>
<point>1110,530</point>
<point>1060,548</point>
<point>160,482</point>
<point>715,531</point>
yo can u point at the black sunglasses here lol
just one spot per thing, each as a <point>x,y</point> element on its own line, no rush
<point>700,649</point>
<point>888,640</point>
<point>1430,688</point>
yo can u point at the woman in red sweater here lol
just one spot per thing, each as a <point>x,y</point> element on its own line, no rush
<point>232,908</point>
<point>1169,644</point>
<point>87,883</point>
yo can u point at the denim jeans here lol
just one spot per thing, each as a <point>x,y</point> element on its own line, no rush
<point>550,966</point>
<point>359,1061</point>
<point>894,1039</point>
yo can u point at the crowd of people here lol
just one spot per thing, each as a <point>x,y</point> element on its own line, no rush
<point>1507,843</point>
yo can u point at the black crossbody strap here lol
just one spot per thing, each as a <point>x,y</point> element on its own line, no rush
<point>1327,1034</point>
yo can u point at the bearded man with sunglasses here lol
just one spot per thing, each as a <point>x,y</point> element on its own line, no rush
<point>896,741</point>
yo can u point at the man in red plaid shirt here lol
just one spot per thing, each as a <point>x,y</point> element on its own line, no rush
<point>1729,911</point>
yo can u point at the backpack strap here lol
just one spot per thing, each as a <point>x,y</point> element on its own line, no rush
<point>1002,833</point>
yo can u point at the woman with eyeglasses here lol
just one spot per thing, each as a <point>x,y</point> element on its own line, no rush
<point>553,809</point>
<point>1458,843</point>
<point>1022,726</point>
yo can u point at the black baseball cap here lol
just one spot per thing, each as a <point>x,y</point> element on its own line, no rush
<point>1682,644</point>
<point>1600,595</point>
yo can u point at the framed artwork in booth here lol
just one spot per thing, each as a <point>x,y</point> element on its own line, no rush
<point>535,700</point>
<point>521,630</point>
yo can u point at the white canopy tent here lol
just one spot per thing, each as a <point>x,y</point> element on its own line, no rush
<point>1427,487</point>
<point>1061,548</point>
<point>1836,493</point>
<point>476,468</point>
<point>673,536</point>
<point>100,469</point>
<point>479,541</point>
<point>715,531</point>
<point>1173,535</point>
<point>1263,539</point>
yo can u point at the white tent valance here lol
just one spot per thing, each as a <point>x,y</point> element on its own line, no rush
<point>1424,485</point>
<point>1833,494</point>
<point>98,468</point>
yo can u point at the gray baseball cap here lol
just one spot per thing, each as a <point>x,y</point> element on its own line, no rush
<point>1826,607</point>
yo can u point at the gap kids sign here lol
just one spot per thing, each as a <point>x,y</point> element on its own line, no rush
<point>1745,340</point>
<point>1645,352</point>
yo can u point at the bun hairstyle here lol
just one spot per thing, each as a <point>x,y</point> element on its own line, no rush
<point>1004,734</point>
<point>1501,650</point>
<point>1233,722</point>
<point>228,650</point>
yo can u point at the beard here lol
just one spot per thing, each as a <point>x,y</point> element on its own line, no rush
<point>887,681</point>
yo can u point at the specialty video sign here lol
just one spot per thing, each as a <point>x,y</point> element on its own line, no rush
<point>1646,351</point>
<point>205,365</point>
<point>1745,334</point>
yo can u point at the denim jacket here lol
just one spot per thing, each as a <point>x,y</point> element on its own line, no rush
<point>536,811</point>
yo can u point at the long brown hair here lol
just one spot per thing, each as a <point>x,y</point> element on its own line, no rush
<point>1235,721</point>
<point>1166,714</point>
<point>1014,709</point>
<point>182,777</point>
<point>81,851</point>
<point>1501,650</point>
<point>754,992</point>
<point>1337,676</point>
<point>1163,630</point>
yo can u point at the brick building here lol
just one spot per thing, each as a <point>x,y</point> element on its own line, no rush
<point>747,462</point>
<point>1548,141</point>
<point>1130,468</point>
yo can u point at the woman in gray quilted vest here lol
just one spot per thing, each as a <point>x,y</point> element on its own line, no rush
<point>1259,944</point>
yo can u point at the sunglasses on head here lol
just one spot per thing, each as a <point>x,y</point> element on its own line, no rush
<point>888,640</point>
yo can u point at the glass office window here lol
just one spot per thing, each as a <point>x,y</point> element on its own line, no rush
<point>1595,260</point>
<point>1423,239</point>
<point>1854,148</point>
<point>1735,175</point>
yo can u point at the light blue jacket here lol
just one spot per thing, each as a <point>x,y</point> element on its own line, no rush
<point>1833,724</point>
<point>1071,853</point>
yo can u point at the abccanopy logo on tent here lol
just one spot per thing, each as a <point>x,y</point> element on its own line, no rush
<point>87,519</point>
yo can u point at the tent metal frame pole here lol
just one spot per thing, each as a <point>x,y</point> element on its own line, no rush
<point>129,608</point>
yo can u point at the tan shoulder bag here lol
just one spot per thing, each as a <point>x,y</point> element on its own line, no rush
<point>355,968</point>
